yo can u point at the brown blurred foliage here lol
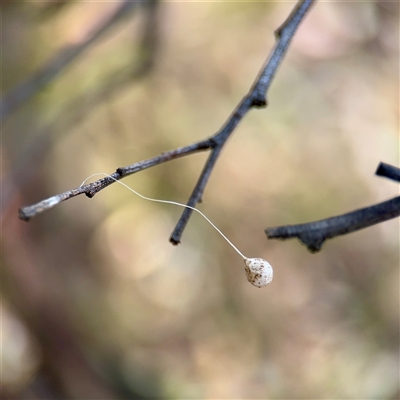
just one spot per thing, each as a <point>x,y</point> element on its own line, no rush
<point>96,303</point>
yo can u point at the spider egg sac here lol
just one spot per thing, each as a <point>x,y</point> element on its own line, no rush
<point>258,271</point>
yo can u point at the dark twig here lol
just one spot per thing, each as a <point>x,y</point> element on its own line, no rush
<point>314,234</point>
<point>255,98</point>
<point>388,171</point>
<point>26,213</point>
<point>27,89</point>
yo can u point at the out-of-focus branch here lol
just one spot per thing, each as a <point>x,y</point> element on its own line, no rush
<point>255,98</point>
<point>388,171</point>
<point>79,108</point>
<point>314,234</point>
<point>32,85</point>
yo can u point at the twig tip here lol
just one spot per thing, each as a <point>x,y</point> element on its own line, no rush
<point>22,216</point>
<point>174,241</point>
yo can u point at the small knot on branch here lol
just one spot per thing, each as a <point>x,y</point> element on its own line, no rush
<point>120,171</point>
<point>313,244</point>
<point>259,102</point>
<point>278,33</point>
<point>90,193</point>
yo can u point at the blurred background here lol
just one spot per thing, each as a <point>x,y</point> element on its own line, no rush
<point>96,303</point>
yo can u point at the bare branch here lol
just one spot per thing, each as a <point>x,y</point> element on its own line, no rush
<point>255,98</point>
<point>31,86</point>
<point>26,213</point>
<point>314,234</point>
<point>388,171</point>
<point>284,35</point>
<point>196,196</point>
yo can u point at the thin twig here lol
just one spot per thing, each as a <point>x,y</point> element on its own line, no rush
<point>255,98</point>
<point>388,171</point>
<point>31,86</point>
<point>314,234</point>
<point>26,213</point>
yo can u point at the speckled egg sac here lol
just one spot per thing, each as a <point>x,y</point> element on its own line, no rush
<point>258,272</point>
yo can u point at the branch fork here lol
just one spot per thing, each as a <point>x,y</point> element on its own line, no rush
<point>257,98</point>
